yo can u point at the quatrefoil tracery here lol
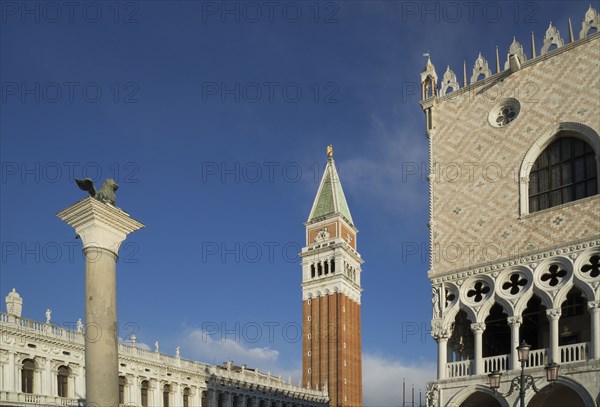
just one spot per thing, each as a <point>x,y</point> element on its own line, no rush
<point>554,275</point>
<point>593,267</point>
<point>478,291</point>
<point>514,285</point>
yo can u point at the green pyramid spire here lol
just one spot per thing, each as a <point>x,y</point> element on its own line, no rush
<point>330,196</point>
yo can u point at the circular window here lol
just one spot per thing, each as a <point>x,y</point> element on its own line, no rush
<point>504,112</point>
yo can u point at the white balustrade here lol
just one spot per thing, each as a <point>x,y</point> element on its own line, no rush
<point>573,353</point>
<point>538,357</point>
<point>459,369</point>
<point>499,362</point>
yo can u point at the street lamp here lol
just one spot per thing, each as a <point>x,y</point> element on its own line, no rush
<point>523,382</point>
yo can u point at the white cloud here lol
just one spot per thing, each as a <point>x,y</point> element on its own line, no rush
<point>382,380</point>
<point>199,345</point>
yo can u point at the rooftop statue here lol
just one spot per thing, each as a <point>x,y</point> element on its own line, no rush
<point>106,193</point>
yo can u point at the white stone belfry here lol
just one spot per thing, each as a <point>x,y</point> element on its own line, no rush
<point>102,228</point>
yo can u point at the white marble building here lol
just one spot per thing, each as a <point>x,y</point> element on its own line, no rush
<point>43,364</point>
<point>515,221</point>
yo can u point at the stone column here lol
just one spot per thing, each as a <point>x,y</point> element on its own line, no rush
<point>11,373</point>
<point>213,398</point>
<point>102,228</point>
<point>442,357</point>
<point>228,400</point>
<point>441,333</point>
<point>79,382</point>
<point>478,329</point>
<point>594,308</point>
<point>515,323</point>
<point>51,388</point>
<point>553,317</point>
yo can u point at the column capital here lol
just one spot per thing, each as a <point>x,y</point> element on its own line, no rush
<point>98,224</point>
<point>553,314</point>
<point>516,320</point>
<point>478,327</point>
<point>441,331</point>
<point>593,306</point>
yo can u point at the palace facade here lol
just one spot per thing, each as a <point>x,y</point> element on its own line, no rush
<point>43,364</point>
<point>514,160</point>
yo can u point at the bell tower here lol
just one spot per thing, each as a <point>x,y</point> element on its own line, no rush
<point>331,270</point>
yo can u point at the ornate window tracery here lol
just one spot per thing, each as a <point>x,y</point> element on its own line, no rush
<point>565,171</point>
<point>513,286</point>
<point>592,267</point>
<point>554,276</point>
<point>478,292</point>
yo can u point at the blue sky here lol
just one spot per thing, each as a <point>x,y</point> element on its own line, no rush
<point>214,118</point>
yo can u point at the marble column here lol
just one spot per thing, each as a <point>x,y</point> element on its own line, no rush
<point>102,228</point>
<point>80,383</point>
<point>442,357</point>
<point>228,400</point>
<point>11,373</point>
<point>514,323</point>
<point>594,308</point>
<point>213,398</point>
<point>478,329</point>
<point>51,383</point>
<point>554,317</point>
<point>441,333</point>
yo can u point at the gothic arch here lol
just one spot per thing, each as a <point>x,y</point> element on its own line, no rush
<point>581,131</point>
<point>544,298</point>
<point>462,395</point>
<point>507,307</point>
<point>586,291</point>
<point>571,384</point>
<point>471,315</point>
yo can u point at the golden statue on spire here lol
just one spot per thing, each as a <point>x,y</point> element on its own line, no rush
<point>330,151</point>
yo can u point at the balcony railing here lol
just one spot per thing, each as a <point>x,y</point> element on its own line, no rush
<point>577,352</point>
<point>40,400</point>
<point>499,362</point>
<point>461,368</point>
<point>537,358</point>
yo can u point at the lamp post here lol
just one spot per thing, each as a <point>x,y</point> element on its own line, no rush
<point>523,382</point>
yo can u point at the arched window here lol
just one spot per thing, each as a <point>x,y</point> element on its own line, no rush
<point>166,391</point>
<point>565,171</point>
<point>27,376</point>
<point>186,397</point>
<point>332,266</point>
<point>122,383</point>
<point>63,381</point>
<point>144,393</point>
<point>312,271</point>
